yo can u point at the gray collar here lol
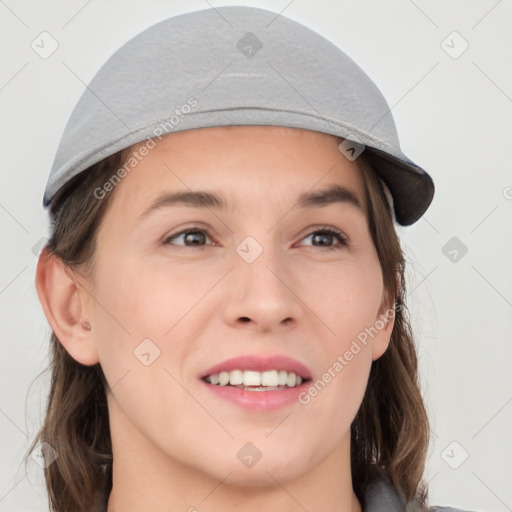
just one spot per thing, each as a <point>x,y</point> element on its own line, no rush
<point>382,497</point>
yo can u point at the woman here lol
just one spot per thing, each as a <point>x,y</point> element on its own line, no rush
<point>224,281</point>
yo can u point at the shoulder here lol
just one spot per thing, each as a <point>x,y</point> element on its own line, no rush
<point>381,496</point>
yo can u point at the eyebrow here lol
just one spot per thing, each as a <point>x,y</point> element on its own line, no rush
<point>205,199</point>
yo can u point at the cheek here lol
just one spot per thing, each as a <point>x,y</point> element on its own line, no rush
<point>143,336</point>
<point>144,301</point>
<point>346,299</point>
<point>345,296</point>
<point>147,315</point>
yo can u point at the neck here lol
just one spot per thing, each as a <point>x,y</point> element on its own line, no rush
<point>145,478</point>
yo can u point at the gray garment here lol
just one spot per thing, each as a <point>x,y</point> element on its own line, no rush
<point>379,497</point>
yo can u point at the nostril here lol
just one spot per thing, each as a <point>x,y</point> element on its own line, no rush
<point>245,319</point>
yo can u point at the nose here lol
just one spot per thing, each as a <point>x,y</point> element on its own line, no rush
<point>263,294</point>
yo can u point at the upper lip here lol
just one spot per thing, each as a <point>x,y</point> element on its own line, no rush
<point>260,364</point>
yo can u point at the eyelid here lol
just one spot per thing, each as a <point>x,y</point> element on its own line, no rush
<point>192,226</point>
<point>322,227</point>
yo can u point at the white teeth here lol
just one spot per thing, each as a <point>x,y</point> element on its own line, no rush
<point>223,378</point>
<point>251,378</point>
<point>236,377</point>
<point>243,378</point>
<point>282,377</point>
<point>269,378</point>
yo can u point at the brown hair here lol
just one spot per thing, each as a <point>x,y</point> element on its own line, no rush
<point>390,433</point>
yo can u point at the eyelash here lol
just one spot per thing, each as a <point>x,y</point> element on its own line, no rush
<point>326,230</point>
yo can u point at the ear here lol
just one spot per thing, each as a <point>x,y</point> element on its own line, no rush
<point>65,304</point>
<point>384,323</point>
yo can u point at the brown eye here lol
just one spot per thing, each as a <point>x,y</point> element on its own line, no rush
<point>324,237</point>
<point>193,237</point>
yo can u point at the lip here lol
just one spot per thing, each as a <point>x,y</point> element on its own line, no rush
<point>259,400</point>
<point>260,364</point>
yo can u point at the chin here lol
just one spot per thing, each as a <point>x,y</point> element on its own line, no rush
<point>282,465</point>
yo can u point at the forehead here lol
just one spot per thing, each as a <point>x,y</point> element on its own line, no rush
<point>249,165</point>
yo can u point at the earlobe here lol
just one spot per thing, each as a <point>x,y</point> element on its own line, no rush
<point>65,306</point>
<point>384,324</point>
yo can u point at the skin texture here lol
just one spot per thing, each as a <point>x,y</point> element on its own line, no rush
<point>175,443</point>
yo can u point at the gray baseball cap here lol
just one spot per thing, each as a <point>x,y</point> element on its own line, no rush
<point>236,65</point>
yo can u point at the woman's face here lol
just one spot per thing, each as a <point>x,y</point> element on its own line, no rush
<point>179,288</point>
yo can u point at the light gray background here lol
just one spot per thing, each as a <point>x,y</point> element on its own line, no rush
<point>454,117</point>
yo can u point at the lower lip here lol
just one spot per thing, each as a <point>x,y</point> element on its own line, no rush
<point>258,400</point>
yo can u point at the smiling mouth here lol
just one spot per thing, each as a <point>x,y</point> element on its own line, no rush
<point>249,380</point>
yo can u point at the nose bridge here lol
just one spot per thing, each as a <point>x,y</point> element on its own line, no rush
<point>260,263</point>
<point>264,281</point>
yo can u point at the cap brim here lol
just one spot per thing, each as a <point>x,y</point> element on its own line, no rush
<point>411,186</point>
